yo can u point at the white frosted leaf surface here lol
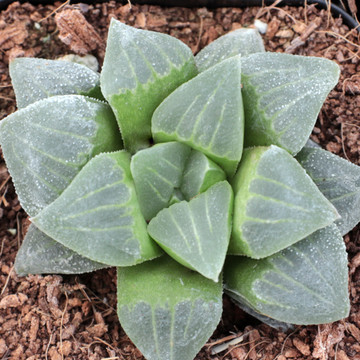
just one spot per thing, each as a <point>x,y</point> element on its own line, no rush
<point>46,144</point>
<point>200,173</point>
<point>197,233</point>
<point>338,180</point>
<point>206,113</point>
<point>238,42</point>
<point>40,254</point>
<point>276,203</point>
<point>283,95</point>
<point>35,79</point>
<point>157,172</point>
<point>140,69</point>
<point>171,172</point>
<point>98,215</point>
<point>306,283</point>
<point>168,311</point>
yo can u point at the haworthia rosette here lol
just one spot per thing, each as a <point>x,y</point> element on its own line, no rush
<point>276,203</point>
<point>207,114</point>
<point>168,311</point>
<point>48,142</point>
<point>282,96</point>
<point>140,69</point>
<point>307,283</point>
<point>98,215</point>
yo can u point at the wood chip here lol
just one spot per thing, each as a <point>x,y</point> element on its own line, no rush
<point>76,32</point>
<point>12,35</point>
<point>273,27</point>
<point>301,346</point>
<point>300,40</point>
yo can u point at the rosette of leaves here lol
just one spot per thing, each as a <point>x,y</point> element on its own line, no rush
<point>189,174</point>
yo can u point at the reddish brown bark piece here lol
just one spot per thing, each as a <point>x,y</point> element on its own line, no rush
<point>12,35</point>
<point>76,32</point>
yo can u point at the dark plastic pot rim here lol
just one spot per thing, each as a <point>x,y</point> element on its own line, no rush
<point>335,10</point>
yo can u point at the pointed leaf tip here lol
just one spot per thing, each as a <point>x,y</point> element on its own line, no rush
<point>98,215</point>
<point>283,95</point>
<point>197,233</point>
<point>207,114</point>
<point>140,69</point>
<point>305,284</point>
<point>40,254</point>
<point>168,311</point>
<point>47,143</point>
<point>276,203</point>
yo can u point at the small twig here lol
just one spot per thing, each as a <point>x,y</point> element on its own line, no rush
<point>342,141</point>
<point>6,98</point>
<point>349,79</point>
<point>129,2</point>
<point>252,348</point>
<point>48,347</point>
<point>61,325</point>
<point>200,34</point>
<point>18,229</point>
<point>7,281</point>
<point>67,2</point>
<point>105,343</point>
<point>334,34</point>
<point>224,346</point>
<point>2,246</point>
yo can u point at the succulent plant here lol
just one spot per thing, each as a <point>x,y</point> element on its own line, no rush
<point>192,175</point>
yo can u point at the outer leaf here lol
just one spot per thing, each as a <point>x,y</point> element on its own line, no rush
<point>157,172</point>
<point>338,180</point>
<point>36,79</point>
<point>206,113</point>
<point>276,203</point>
<point>47,143</point>
<point>140,69</point>
<point>197,233</point>
<point>200,173</point>
<point>98,215</point>
<point>239,42</point>
<point>168,311</point>
<point>304,284</point>
<point>283,95</point>
<point>40,254</point>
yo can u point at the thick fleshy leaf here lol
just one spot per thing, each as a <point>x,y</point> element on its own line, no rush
<point>40,254</point>
<point>140,69</point>
<point>306,283</point>
<point>276,203</point>
<point>283,95</point>
<point>242,42</point>
<point>35,79</point>
<point>157,172</point>
<point>197,233</point>
<point>168,311</point>
<point>98,215</point>
<point>171,172</point>
<point>47,143</point>
<point>200,173</point>
<point>339,180</point>
<point>207,114</point>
